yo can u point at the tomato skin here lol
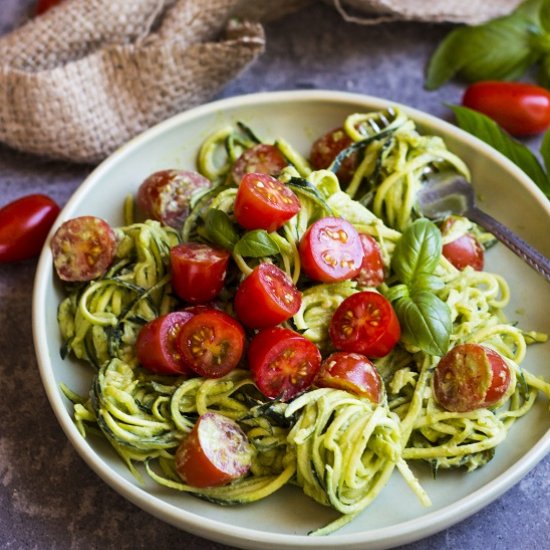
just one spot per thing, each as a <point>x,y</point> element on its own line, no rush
<point>372,268</point>
<point>24,226</point>
<point>211,343</point>
<point>215,452</point>
<point>464,251</point>
<point>44,5</point>
<point>365,323</point>
<point>283,363</point>
<point>521,109</point>
<point>262,158</point>
<point>470,376</point>
<point>266,297</point>
<point>198,271</point>
<point>263,202</point>
<point>331,250</point>
<point>353,373</point>
<point>156,344</point>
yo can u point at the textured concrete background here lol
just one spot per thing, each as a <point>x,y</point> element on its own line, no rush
<point>49,498</point>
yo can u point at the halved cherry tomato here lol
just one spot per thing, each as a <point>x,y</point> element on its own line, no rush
<point>45,5</point>
<point>211,343</point>
<point>283,362</point>
<point>83,248</point>
<point>263,202</point>
<point>24,226</point>
<point>266,297</point>
<point>215,452</point>
<point>325,149</point>
<point>263,158</point>
<point>521,109</point>
<point>156,344</point>
<point>469,377</point>
<point>198,271</point>
<point>351,372</point>
<point>365,323</point>
<point>464,251</point>
<point>166,195</point>
<point>372,268</point>
<point>331,251</point>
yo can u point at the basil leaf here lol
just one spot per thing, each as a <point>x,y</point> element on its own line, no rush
<point>417,252</point>
<point>544,15</point>
<point>427,282</point>
<point>220,229</point>
<point>256,244</point>
<point>425,322</point>
<point>490,132</point>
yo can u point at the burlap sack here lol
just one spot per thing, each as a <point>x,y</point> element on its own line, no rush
<point>79,81</point>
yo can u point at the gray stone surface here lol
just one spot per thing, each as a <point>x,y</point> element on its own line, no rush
<point>49,498</point>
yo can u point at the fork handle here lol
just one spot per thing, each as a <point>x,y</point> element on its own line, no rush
<point>516,244</point>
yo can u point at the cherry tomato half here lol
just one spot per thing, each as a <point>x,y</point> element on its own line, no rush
<point>215,452</point>
<point>325,149</point>
<point>24,226</point>
<point>166,195</point>
<point>83,248</point>
<point>263,202</point>
<point>351,372</point>
<point>266,297</point>
<point>198,271</point>
<point>156,344</point>
<point>331,250</point>
<point>263,158</point>
<point>365,323</point>
<point>464,251</point>
<point>283,362</point>
<point>372,268</point>
<point>44,5</point>
<point>211,343</point>
<point>469,377</point>
<point>521,109</point>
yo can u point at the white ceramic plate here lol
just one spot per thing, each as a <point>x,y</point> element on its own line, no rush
<point>283,520</point>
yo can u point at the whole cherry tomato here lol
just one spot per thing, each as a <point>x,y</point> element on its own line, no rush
<point>521,109</point>
<point>266,297</point>
<point>45,5</point>
<point>215,452</point>
<point>372,268</point>
<point>463,251</point>
<point>283,363</point>
<point>365,323</point>
<point>263,158</point>
<point>263,202</point>
<point>24,226</point>
<point>469,377</point>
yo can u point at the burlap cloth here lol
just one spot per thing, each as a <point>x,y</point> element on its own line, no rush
<point>82,79</point>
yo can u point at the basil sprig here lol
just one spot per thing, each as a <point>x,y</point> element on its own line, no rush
<point>256,244</point>
<point>501,49</point>
<point>424,318</point>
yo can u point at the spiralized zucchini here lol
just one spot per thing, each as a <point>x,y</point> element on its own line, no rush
<point>339,448</point>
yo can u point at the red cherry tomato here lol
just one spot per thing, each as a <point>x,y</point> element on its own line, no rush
<point>351,372</point>
<point>211,343</point>
<point>365,323</point>
<point>215,452</point>
<point>331,251</point>
<point>464,251</point>
<point>44,5</point>
<point>521,109</point>
<point>263,202</point>
<point>156,344</point>
<point>469,377</point>
<point>166,195</point>
<point>372,268</point>
<point>266,297</point>
<point>283,363</point>
<point>263,158</point>
<point>83,248</point>
<point>198,271</point>
<point>24,226</point>
<point>326,148</point>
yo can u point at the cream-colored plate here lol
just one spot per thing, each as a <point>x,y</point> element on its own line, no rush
<point>284,519</point>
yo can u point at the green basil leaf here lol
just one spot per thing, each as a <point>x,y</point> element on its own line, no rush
<point>427,282</point>
<point>417,252</point>
<point>425,322</point>
<point>490,132</point>
<point>544,15</point>
<point>220,229</point>
<point>256,244</point>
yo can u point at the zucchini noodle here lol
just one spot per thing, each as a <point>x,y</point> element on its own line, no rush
<point>340,449</point>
